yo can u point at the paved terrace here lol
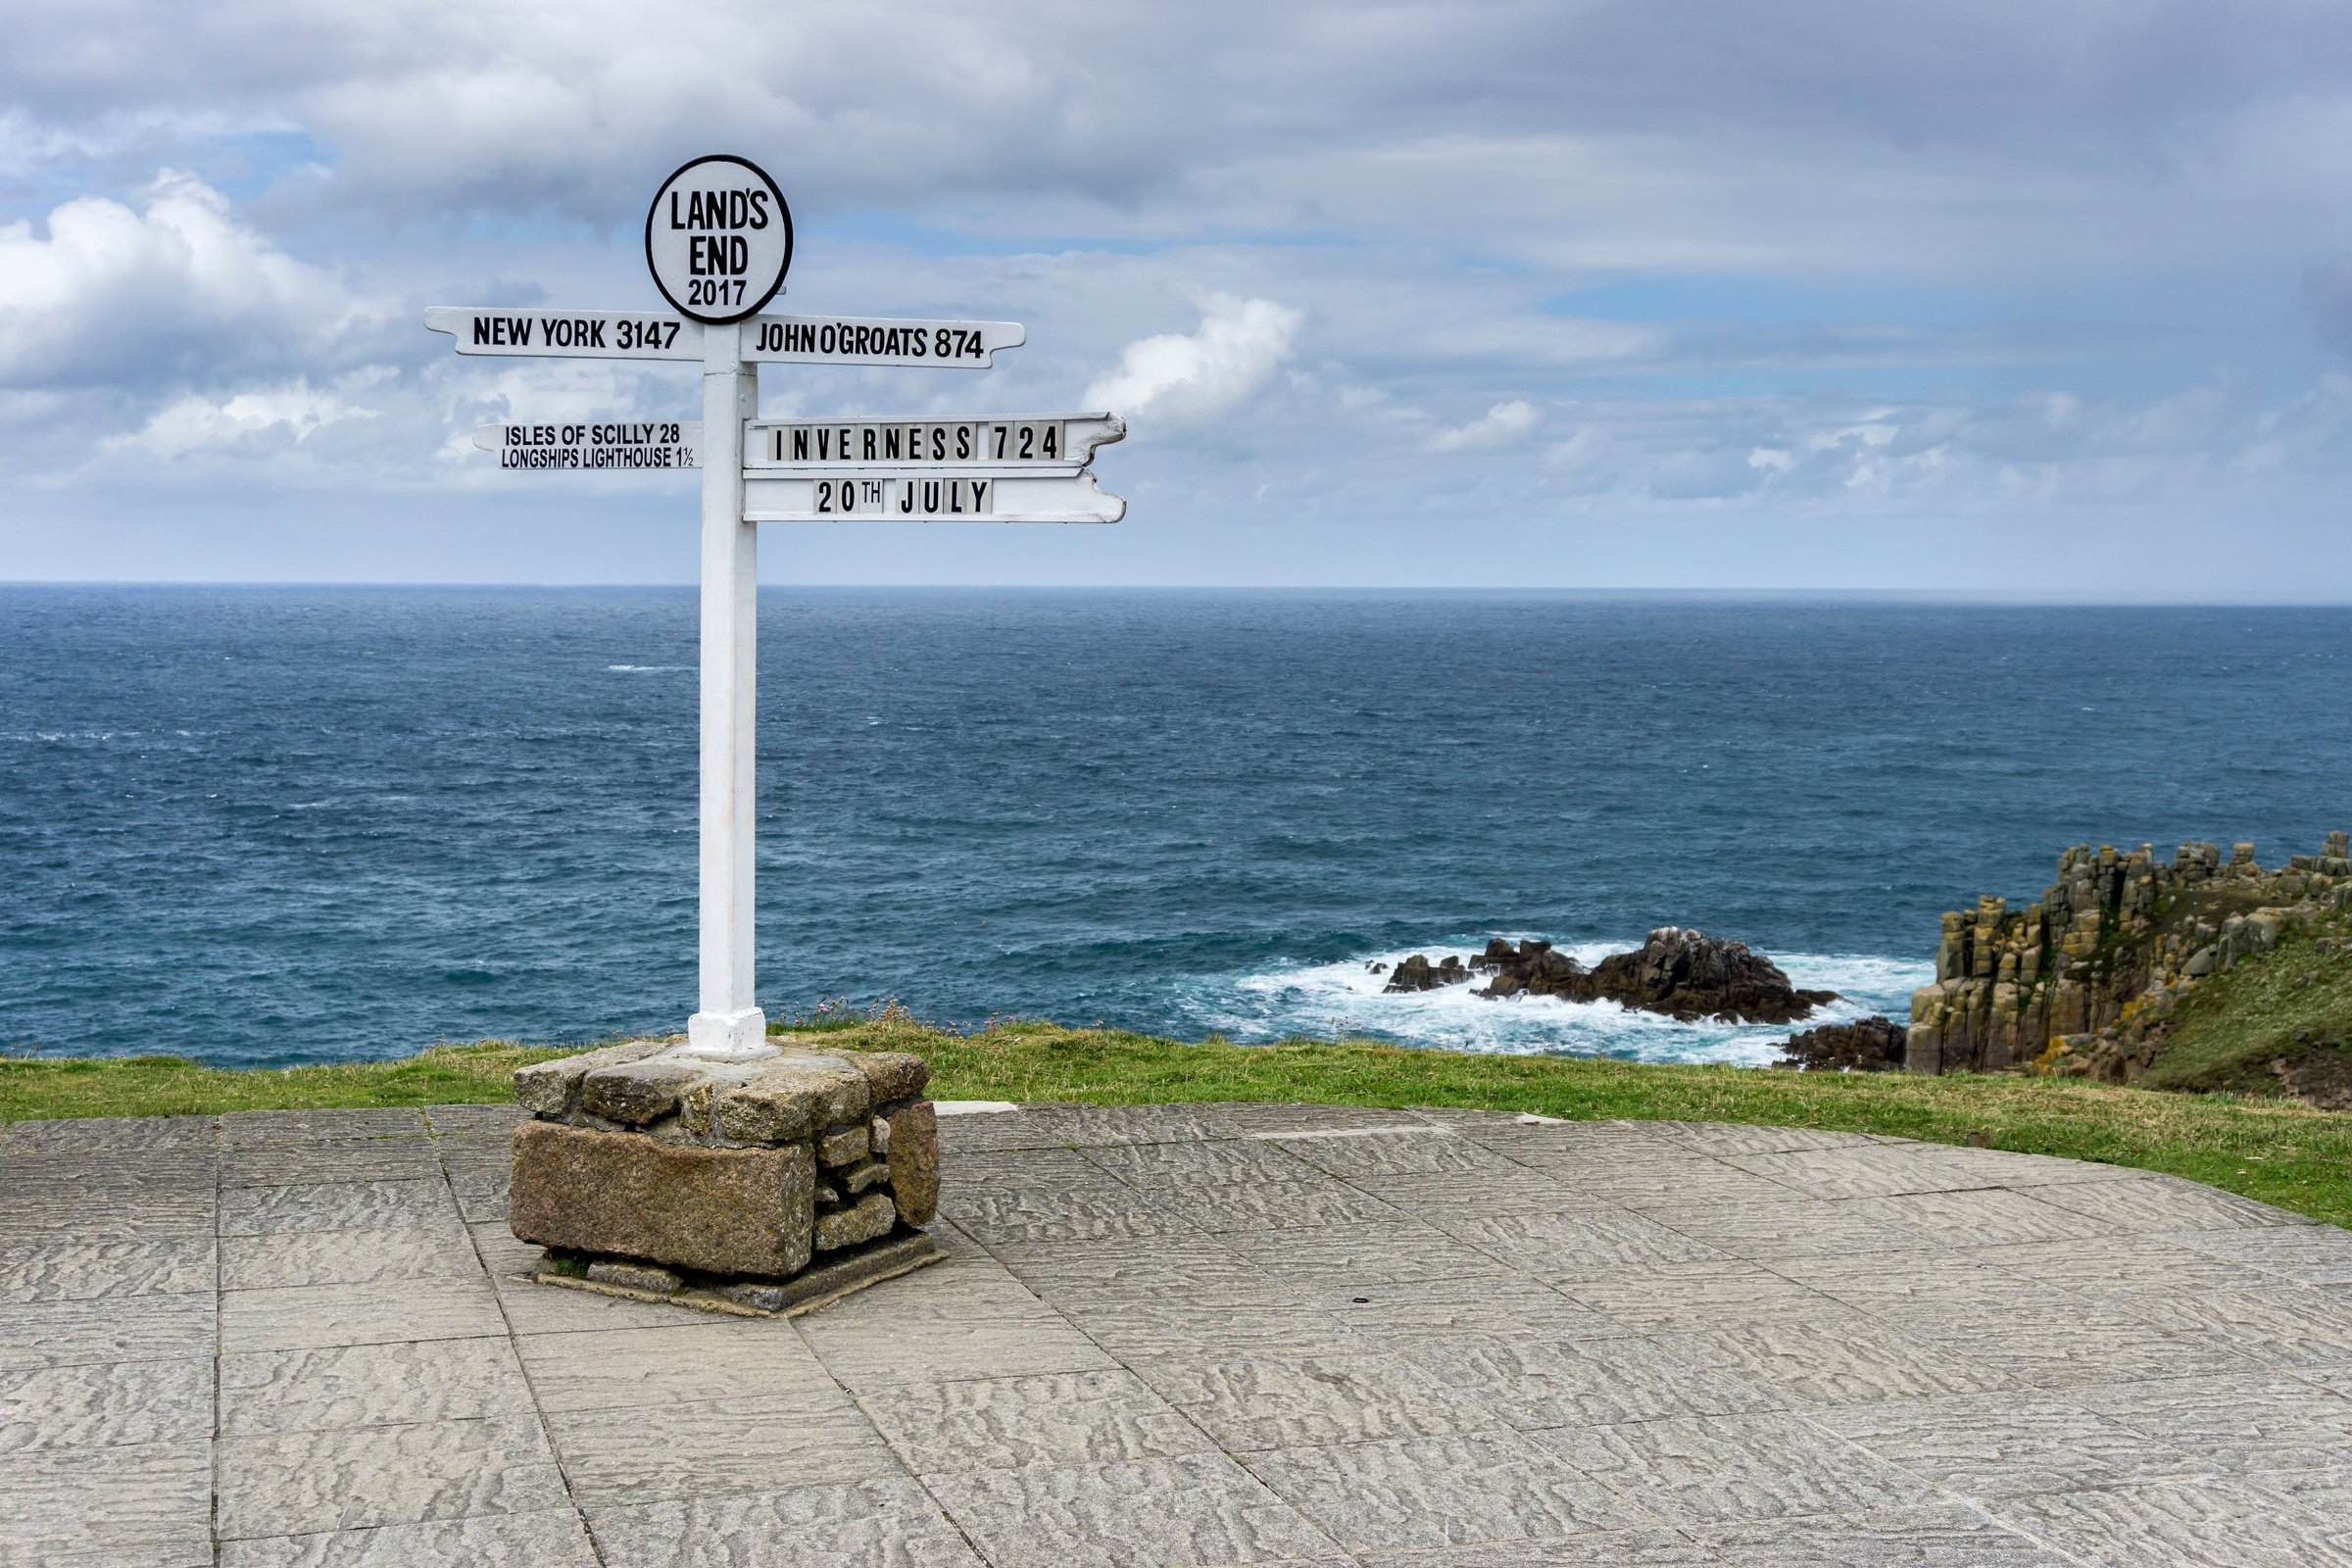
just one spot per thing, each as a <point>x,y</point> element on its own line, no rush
<point>1181,1335</point>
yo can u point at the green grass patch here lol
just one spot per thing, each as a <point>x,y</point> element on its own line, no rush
<point>2278,1151</point>
<point>2290,1002</point>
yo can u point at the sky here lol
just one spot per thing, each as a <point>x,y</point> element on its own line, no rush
<point>2047,299</point>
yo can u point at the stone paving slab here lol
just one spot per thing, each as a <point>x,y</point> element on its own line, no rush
<point>1181,1335</point>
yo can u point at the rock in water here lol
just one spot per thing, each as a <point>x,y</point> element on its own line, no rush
<point>1688,974</point>
<point>1417,973</point>
<point>1874,1045</point>
<point>1684,974</point>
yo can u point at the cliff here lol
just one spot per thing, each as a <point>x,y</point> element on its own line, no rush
<point>2085,982</point>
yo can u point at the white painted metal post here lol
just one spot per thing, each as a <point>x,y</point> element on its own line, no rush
<point>727,1019</point>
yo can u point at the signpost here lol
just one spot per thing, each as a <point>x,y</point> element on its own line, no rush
<point>718,242</point>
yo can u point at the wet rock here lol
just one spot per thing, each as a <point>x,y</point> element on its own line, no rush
<point>1417,973</point>
<point>1872,1044</point>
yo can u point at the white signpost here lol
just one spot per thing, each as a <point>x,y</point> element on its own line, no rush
<point>718,242</point>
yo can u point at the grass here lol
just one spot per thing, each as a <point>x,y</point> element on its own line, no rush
<point>2276,1150</point>
<point>2293,1002</point>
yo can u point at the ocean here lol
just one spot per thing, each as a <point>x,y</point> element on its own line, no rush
<point>263,826</point>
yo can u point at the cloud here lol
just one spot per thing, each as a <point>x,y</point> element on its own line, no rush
<point>270,417</point>
<point>1183,379</point>
<point>178,285</point>
<point>1500,427</point>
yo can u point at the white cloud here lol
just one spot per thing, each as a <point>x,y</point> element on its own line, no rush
<point>178,285</point>
<point>1185,377</point>
<point>1499,426</point>
<point>272,416</point>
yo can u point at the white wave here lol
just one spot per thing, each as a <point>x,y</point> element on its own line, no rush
<point>1347,998</point>
<point>642,669</point>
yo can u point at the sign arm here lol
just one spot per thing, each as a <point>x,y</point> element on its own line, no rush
<point>728,1020</point>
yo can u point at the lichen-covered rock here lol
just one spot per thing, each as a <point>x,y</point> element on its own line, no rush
<point>717,1210</point>
<point>635,1093</point>
<point>870,1216</point>
<point>796,1096</point>
<point>913,1144</point>
<point>846,1147</point>
<point>894,1075</point>
<point>553,1088</point>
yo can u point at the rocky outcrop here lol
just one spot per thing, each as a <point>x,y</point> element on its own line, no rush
<point>1688,974</point>
<point>1684,974</point>
<point>2082,982</point>
<point>1872,1044</point>
<point>1417,973</point>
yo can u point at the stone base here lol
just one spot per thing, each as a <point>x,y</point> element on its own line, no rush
<point>843,1274</point>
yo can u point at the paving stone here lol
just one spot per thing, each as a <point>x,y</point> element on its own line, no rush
<point>709,1358</point>
<point>1726,1139</point>
<point>1136,1513</point>
<point>866,1356</point>
<point>1097,1211</point>
<point>1933,1536</point>
<point>2312,1254</point>
<point>133,1503</point>
<point>344,1257</point>
<point>2278,1326</point>
<point>2092,1347</point>
<point>86,1172</point>
<point>1275,1206</point>
<point>1223,1163</point>
<point>1237,1118</point>
<point>1853,1362</point>
<point>369,1385</point>
<point>552,1539</point>
<point>1209,1325</point>
<point>2192,1523</point>
<point>1673,1295</point>
<point>1308,1400</point>
<point>1947,1288</point>
<point>1993,1217</point>
<point>1724,1468</point>
<point>2158,1203</point>
<point>2004,1446</point>
<point>318,1316</point>
<point>246,1128</point>
<point>1769,1232</point>
<point>116,1328</point>
<point>473,1120</point>
<point>1551,1245</point>
<point>1531,1386</point>
<point>127,1213</point>
<point>68,1271</point>
<point>1682,1184</point>
<point>1867,1170</point>
<point>1362,1255</point>
<point>2260,1421</point>
<point>890,1523</point>
<point>1011,1129</point>
<point>308,1483</point>
<point>104,1405</point>
<point>1446,1194</point>
<point>481,1194</point>
<point>1059,1419</point>
<point>1420,1150</point>
<point>118,1135</point>
<point>531,1309</point>
<point>338,1207</point>
<point>2125,1265</point>
<point>1436,1491</point>
<point>1142,1266</point>
<point>661,1453</point>
<point>1609,1549</point>
<point>1412,1314</point>
<point>1086,1126</point>
<point>345,1159</point>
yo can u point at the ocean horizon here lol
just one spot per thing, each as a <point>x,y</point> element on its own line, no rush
<point>262,825</point>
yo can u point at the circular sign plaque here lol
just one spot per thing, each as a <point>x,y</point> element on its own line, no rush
<point>718,239</point>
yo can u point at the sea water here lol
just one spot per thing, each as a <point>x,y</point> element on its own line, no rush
<point>275,825</point>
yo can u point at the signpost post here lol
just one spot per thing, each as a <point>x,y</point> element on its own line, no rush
<point>718,242</point>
